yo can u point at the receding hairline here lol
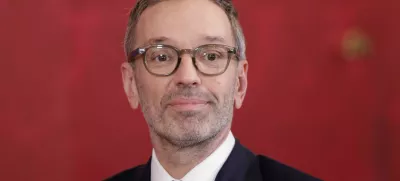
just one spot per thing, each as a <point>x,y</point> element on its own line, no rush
<point>225,5</point>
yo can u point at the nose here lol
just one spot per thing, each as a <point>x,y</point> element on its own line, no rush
<point>186,74</point>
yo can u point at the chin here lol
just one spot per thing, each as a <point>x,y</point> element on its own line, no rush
<point>189,130</point>
<point>189,136</point>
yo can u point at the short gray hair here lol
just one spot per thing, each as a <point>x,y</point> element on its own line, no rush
<point>226,5</point>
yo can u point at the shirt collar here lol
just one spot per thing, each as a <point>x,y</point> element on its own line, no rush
<point>206,170</point>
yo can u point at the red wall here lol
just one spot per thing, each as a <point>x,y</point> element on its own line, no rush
<point>64,115</point>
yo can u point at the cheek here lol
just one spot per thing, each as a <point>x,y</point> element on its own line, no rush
<point>152,89</point>
<point>219,86</point>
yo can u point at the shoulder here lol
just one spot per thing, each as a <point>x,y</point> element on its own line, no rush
<point>274,171</point>
<point>135,173</point>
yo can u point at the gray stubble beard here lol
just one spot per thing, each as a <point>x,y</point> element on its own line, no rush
<point>203,133</point>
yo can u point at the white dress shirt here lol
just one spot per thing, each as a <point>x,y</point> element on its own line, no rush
<point>206,170</point>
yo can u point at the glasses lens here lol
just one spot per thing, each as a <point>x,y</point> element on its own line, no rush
<point>212,59</point>
<point>161,60</point>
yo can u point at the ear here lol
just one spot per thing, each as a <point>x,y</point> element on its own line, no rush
<point>241,84</point>
<point>128,80</point>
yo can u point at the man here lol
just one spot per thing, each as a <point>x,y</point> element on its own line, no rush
<point>187,69</point>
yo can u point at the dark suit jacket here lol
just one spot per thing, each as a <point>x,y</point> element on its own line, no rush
<point>241,165</point>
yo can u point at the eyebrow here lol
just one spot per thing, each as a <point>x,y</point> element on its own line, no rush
<point>213,39</point>
<point>163,39</point>
<point>157,40</point>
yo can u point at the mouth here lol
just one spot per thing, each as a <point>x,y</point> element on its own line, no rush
<point>182,104</point>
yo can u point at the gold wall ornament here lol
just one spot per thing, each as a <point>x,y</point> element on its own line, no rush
<point>356,44</point>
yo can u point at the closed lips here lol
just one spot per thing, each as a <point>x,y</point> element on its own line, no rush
<point>177,102</point>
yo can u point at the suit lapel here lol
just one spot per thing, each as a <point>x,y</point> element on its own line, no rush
<point>241,165</point>
<point>145,174</point>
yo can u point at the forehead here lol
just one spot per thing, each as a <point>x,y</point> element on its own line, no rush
<point>184,23</point>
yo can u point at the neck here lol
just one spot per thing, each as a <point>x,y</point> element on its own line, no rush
<point>178,161</point>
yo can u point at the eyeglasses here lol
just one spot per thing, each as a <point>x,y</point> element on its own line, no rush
<point>164,60</point>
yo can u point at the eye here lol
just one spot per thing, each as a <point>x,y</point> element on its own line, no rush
<point>161,58</point>
<point>211,56</point>
<point>161,55</point>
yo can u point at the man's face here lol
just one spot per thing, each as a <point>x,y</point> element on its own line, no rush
<point>186,107</point>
